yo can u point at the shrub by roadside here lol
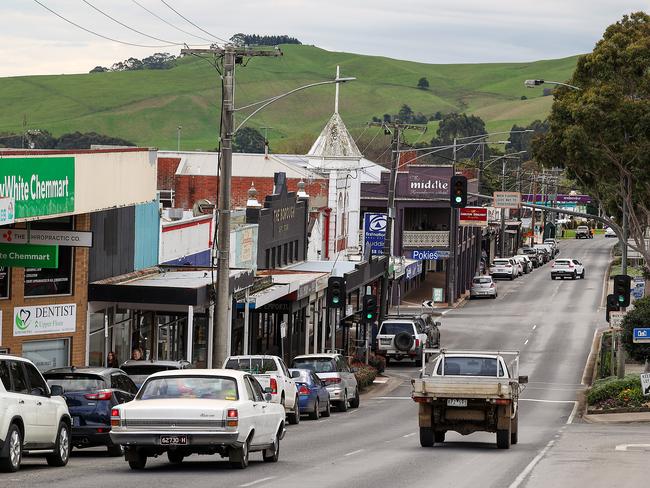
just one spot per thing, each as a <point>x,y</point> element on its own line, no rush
<point>365,375</point>
<point>613,393</point>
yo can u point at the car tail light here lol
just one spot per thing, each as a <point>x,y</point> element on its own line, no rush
<point>491,285</point>
<point>303,390</point>
<point>99,395</point>
<point>115,417</point>
<point>570,265</point>
<point>232,419</point>
<point>502,401</point>
<point>508,265</point>
<point>417,343</point>
<point>274,386</point>
<point>331,381</point>
<point>422,399</point>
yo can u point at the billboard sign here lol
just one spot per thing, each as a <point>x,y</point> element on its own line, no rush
<point>474,216</point>
<point>45,319</point>
<point>374,232</point>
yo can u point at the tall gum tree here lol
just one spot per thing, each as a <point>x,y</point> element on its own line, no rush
<point>601,132</point>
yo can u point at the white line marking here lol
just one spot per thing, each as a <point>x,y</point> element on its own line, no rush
<point>261,480</point>
<point>392,398</point>
<point>573,413</point>
<point>354,452</point>
<point>545,401</point>
<point>409,435</point>
<point>524,474</point>
<point>534,327</point>
<point>525,342</point>
<point>353,411</point>
<point>624,447</point>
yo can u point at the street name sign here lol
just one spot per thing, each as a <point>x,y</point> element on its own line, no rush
<point>507,199</point>
<point>67,238</point>
<point>29,256</point>
<point>641,335</point>
<point>474,216</point>
<point>645,384</point>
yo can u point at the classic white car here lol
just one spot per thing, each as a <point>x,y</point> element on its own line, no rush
<point>199,411</point>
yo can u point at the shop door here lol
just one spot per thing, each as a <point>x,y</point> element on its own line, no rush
<point>171,337</point>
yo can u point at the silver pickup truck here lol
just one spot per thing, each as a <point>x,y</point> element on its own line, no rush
<point>466,392</point>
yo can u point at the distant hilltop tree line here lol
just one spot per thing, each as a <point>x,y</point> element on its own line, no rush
<point>257,40</point>
<point>155,61</point>
<point>43,139</point>
<point>406,115</point>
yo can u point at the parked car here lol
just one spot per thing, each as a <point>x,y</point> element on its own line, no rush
<point>609,232</point>
<point>504,268</point>
<point>525,262</point>
<point>313,395</point>
<point>199,411</point>
<point>554,244</point>
<point>34,417</point>
<point>337,376</point>
<point>483,286</point>
<point>584,232</point>
<point>534,256</point>
<point>91,393</point>
<point>404,337</point>
<point>140,370</point>
<point>546,250</point>
<point>567,268</point>
<point>273,375</point>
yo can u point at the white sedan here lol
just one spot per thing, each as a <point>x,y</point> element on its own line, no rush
<point>199,411</point>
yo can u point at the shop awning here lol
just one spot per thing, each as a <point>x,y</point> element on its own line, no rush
<point>267,295</point>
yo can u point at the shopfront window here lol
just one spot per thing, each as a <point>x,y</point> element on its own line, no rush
<point>200,343</point>
<point>4,282</point>
<point>48,354</point>
<point>97,340</point>
<point>172,337</point>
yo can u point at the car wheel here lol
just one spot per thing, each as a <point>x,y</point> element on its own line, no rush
<point>439,437</point>
<point>552,277</point>
<point>294,417</point>
<point>503,438</point>
<point>115,450</point>
<point>137,460</point>
<point>514,430</point>
<point>328,409</point>
<point>582,275</point>
<point>426,436</point>
<point>175,457</point>
<point>272,455</point>
<point>315,415</point>
<point>14,442</point>
<point>512,277</point>
<point>61,452</point>
<point>574,276</point>
<point>354,403</point>
<point>343,404</point>
<point>238,456</point>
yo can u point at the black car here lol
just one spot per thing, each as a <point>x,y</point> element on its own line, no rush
<point>140,370</point>
<point>91,393</point>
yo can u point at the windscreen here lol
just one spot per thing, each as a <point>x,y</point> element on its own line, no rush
<point>76,382</point>
<point>317,365</point>
<point>201,387</point>
<point>469,366</point>
<point>252,365</point>
<point>394,328</point>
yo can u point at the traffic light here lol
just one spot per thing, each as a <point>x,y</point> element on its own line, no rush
<point>336,292</point>
<point>369,309</point>
<point>622,285</point>
<point>612,305</point>
<point>458,191</point>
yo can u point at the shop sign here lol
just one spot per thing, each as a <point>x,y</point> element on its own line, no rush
<point>48,237</point>
<point>428,181</point>
<point>39,186</point>
<point>474,216</point>
<point>45,319</point>
<point>374,232</point>
<point>438,295</point>
<point>29,256</point>
<point>7,214</point>
<point>507,199</point>
<point>428,254</point>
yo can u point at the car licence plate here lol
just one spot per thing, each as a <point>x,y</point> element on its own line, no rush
<point>456,402</point>
<point>173,440</point>
<point>76,421</point>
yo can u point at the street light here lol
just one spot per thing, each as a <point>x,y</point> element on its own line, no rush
<point>534,83</point>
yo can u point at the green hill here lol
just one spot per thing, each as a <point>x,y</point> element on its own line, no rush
<point>147,106</point>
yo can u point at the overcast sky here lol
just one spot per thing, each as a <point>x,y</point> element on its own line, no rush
<point>35,41</point>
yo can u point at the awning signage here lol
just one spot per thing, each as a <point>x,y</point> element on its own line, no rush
<point>29,256</point>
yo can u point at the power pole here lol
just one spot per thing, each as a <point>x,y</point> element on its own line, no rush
<point>620,352</point>
<point>532,224</point>
<point>229,55</point>
<point>453,246</point>
<point>502,235</point>
<point>395,129</point>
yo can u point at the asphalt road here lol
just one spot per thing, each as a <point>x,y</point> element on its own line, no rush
<point>551,322</point>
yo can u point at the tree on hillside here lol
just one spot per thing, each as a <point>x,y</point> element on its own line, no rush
<point>257,40</point>
<point>79,140</point>
<point>601,133</point>
<point>248,140</point>
<point>423,84</point>
<point>99,69</point>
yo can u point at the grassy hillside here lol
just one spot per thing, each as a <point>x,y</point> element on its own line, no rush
<point>147,106</point>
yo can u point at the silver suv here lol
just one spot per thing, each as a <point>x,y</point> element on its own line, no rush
<point>33,416</point>
<point>404,337</point>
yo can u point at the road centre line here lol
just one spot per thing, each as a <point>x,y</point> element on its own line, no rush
<point>525,342</point>
<point>534,327</point>
<point>261,480</point>
<point>527,470</point>
<point>409,435</point>
<point>354,452</point>
<point>545,401</point>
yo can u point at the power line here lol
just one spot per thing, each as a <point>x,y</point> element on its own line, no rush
<point>190,22</point>
<point>169,23</point>
<point>96,33</point>
<point>128,26</point>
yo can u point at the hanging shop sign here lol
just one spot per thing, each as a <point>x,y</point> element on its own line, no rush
<point>374,232</point>
<point>45,319</point>
<point>48,237</point>
<point>40,186</point>
<point>29,256</point>
<point>474,216</point>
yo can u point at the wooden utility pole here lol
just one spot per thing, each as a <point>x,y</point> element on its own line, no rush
<point>222,323</point>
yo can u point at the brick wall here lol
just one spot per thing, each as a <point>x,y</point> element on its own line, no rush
<point>189,189</point>
<point>166,170</point>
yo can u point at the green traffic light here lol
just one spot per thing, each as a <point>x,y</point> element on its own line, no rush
<point>621,298</point>
<point>335,299</point>
<point>459,199</point>
<point>369,315</point>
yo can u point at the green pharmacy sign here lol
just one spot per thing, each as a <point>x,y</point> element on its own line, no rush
<point>39,185</point>
<point>29,256</point>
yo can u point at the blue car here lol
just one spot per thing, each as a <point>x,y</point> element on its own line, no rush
<point>91,393</point>
<point>312,394</point>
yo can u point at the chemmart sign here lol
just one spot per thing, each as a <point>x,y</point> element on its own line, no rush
<point>45,319</point>
<point>39,186</point>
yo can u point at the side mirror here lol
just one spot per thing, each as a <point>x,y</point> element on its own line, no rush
<point>37,391</point>
<point>523,380</point>
<point>295,374</point>
<point>56,390</point>
<point>268,397</point>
